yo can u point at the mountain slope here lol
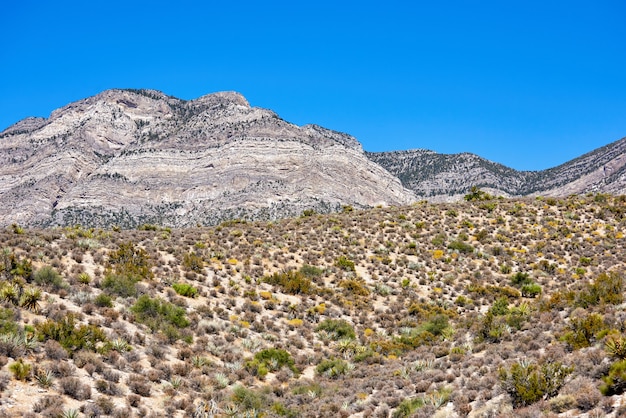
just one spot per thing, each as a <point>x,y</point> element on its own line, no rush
<point>126,157</point>
<point>447,176</point>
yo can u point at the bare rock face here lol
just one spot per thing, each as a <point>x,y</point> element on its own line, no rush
<point>128,157</point>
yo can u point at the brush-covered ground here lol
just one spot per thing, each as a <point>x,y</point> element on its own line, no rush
<point>483,308</point>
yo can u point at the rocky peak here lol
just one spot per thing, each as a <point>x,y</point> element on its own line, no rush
<point>126,157</point>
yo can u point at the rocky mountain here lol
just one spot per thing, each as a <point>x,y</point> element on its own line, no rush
<point>128,157</point>
<point>448,176</point>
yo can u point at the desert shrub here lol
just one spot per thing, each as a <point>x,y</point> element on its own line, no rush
<point>530,290</point>
<point>584,330</point>
<point>311,271</point>
<point>103,301</point>
<point>72,386</point>
<point>54,350</point>
<point>355,286</point>
<point>492,327</point>
<point>129,260</point>
<point>291,281</point>
<point>107,388</point>
<point>345,264</point>
<point>70,336</point>
<point>333,368</point>
<point>407,407</point>
<point>49,406</point>
<point>49,277</point>
<point>437,325</point>
<point>161,315</point>
<point>185,289</point>
<point>461,247</point>
<point>193,262</point>
<point>614,382</point>
<point>519,279</point>
<point>124,285</point>
<point>271,359</point>
<point>337,328</point>
<point>247,399</point>
<point>606,289</point>
<point>20,370</point>
<point>139,385</point>
<point>476,194</point>
<point>8,324</point>
<point>527,383</point>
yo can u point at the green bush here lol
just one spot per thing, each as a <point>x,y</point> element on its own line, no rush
<point>615,381</point>
<point>584,330</point>
<point>520,279</point>
<point>407,407</point>
<point>103,301</point>
<point>345,264</point>
<point>271,359</point>
<point>337,328</point>
<point>437,325</point>
<point>355,286</point>
<point>185,289</point>
<point>311,272</point>
<point>48,276</point>
<point>124,285</point>
<point>531,290</point>
<point>132,261</point>
<point>527,383</point>
<point>20,370</point>
<point>160,315</point>
<point>71,337</point>
<point>247,399</point>
<point>461,247</point>
<point>193,262</point>
<point>291,281</point>
<point>606,289</point>
<point>8,324</point>
<point>476,194</point>
<point>332,368</point>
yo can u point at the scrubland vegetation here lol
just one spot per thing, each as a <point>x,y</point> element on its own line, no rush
<point>488,307</point>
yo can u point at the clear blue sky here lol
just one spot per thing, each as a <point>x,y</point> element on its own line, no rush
<point>530,84</point>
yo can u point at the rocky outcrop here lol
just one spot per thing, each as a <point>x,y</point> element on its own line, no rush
<point>131,157</point>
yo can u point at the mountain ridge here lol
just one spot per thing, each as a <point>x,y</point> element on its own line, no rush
<point>127,157</point>
<point>138,156</point>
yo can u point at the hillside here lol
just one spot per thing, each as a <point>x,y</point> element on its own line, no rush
<point>487,308</point>
<point>449,176</point>
<point>129,157</point>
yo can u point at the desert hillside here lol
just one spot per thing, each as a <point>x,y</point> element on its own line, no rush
<point>490,307</point>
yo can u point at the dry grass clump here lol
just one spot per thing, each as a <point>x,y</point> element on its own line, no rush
<point>483,306</point>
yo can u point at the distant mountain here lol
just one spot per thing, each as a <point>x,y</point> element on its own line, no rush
<point>127,157</point>
<point>448,176</point>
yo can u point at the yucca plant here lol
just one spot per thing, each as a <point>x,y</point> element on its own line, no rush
<point>616,346</point>
<point>120,345</point>
<point>221,380</point>
<point>45,378</point>
<point>9,292</point>
<point>198,361</point>
<point>30,299</point>
<point>70,413</point>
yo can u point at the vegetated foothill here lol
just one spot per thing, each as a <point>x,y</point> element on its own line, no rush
<point>467,309</point>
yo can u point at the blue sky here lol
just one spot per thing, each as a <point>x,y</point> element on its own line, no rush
<point>530,84</point>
